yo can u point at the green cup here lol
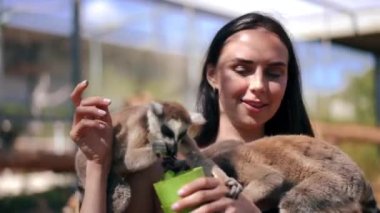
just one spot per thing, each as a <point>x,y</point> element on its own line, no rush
<point>167,189</point>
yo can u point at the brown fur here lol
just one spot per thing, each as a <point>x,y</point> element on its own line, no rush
<point>134,146</point>
<point>172,110</point>
<point>296,173</point>
<point>195,158</point>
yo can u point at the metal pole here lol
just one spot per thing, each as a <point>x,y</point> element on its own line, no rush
<point>2,22</point>
<point>377,89</point>
<point>96,65</point>
<point>192,69</point>
<point>75,44</point>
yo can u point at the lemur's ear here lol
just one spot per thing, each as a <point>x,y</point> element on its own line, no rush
<point>197,118</point>
<point>197,121</point>
<point>156,108</point>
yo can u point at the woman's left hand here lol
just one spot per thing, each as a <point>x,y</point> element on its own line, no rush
<point>208,194</point>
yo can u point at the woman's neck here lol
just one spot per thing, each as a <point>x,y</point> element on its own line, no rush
<point>228,131</point>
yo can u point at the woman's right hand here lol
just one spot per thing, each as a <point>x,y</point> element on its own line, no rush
<point>208,194</point>
<point>92,127</point>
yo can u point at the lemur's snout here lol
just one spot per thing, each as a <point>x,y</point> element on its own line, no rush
<point>171,149</point>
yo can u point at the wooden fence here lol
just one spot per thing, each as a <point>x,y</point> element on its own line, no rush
<point>336,133</point>
<point>32,161</point>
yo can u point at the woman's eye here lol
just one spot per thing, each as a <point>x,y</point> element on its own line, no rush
<point>240,69</point>
<point>274,74</point>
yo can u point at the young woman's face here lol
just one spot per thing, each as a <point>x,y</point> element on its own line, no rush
<point>251,77</point>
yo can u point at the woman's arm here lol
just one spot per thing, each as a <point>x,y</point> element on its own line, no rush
<point>92,132</point>
<point>95,189</point>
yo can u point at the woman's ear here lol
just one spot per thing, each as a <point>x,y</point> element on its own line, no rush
<point>212,76</point>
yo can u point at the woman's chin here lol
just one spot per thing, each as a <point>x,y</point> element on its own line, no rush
<point>249,123</point>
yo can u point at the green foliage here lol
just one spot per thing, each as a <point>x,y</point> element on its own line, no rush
<point>20,110</point>
<point>10,108</point>
<point>361,93</point>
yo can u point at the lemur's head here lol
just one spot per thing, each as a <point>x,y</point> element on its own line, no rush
<point>168,124</point>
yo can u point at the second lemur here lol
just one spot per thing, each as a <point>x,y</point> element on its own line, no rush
<point>295,173</point>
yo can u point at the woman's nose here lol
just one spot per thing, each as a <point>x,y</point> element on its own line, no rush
<point>257,82</point>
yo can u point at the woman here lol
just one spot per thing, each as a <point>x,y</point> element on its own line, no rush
<point>250,88</point>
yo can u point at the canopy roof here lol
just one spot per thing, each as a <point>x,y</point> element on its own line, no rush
<point>305,18</point>
<point>352,22</point>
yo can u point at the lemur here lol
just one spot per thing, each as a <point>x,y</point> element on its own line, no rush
<point>295,173</point>
<point>142,134</point>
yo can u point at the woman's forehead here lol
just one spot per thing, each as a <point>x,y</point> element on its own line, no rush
<point>257,44</point>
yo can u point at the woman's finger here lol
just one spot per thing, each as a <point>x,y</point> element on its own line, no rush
<point>89,112</point>
<point>96,101</point>
<point>219,205</point>
<point>198,184</point>
<point>200,191</point>
<point>198,198</point>
<point>77,131</point>
<point>76,95</point>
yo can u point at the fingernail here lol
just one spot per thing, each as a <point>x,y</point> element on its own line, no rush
<point>101,112</point>
<point>181,192</point>
<point>174,206</point>
<point>85,82</point>
<point>107,101</point>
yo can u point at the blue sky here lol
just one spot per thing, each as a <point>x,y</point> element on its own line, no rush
<point>327,67</point>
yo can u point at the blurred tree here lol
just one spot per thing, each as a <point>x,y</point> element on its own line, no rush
<point>361,93</point>
<point>357,99</point>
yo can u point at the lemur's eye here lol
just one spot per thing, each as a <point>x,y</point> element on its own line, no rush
<point>182,134</point>
<point>166,131</point>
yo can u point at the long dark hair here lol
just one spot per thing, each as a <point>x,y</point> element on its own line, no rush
<point>291,117</point>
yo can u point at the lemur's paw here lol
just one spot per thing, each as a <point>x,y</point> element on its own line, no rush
<point>235,188</point>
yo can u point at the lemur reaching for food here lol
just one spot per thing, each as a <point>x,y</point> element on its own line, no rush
<point>295,174</point>
<point>142,134</point>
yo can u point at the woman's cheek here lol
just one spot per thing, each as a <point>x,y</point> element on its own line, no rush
<point>277,92</point>
<point>237,85</point>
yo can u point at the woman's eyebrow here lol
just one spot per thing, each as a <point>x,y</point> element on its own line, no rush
<point>278,64</point>
<point>250,62</point>
<point>242,60</point>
